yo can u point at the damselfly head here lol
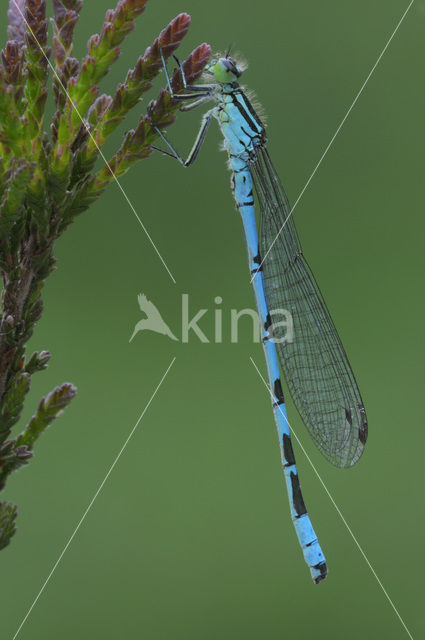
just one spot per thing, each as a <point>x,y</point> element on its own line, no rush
<point>225,69</point>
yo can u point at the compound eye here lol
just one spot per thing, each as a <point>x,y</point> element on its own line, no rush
<point>231,67</point>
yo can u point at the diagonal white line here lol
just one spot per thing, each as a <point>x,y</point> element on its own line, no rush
<point>130,204</point>
<point>335,134</point>
<point>336,507</point>
<point>99,489</point>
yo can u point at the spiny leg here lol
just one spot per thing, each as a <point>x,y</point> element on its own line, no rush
<point>197,103</point>
<point>200,95</point>
<point>193,153</point>
<point>197,91</point>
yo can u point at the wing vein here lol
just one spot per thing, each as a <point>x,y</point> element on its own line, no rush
<point>314,365</point>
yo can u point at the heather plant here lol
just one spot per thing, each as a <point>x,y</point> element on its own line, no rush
<point>48,176</point>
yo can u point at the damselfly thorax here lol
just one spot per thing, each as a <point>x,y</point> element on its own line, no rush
<point>242,129</point>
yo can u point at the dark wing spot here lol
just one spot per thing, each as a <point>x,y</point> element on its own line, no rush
<point>363,431</point>
<point>349,416</point>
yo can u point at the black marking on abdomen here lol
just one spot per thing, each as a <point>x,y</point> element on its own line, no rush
<point>257,260</point>
<point>250,203</point>
<point>256,270</point>
<point>321,566</point>
<point>297,496</point>
<point>277,387</point>
<point>288,452</point>
<point>268,323</point>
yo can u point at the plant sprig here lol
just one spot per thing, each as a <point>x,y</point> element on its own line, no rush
<point>47,176</point>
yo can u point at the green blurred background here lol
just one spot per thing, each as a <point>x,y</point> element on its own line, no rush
<point>191,536</point>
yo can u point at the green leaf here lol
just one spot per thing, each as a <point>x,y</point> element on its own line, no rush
<point>17,181</point>
<point>49,408</point>
<point>12,458</point>
<point>65,18</point>
<point>13,403</point>
<point>37,361</point>
<point>8,513</point>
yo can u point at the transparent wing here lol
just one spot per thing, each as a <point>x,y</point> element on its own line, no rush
<point>314,365</point>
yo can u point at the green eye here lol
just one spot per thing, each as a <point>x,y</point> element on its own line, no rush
<point>225,70</point>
